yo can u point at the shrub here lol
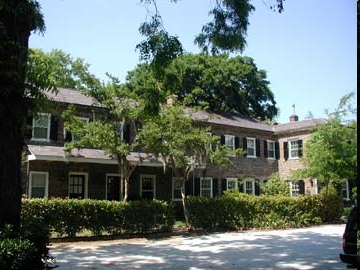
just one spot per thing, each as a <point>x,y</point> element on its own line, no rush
<point>236,210</point>
<point>15,253</point>
<point>71,216</point>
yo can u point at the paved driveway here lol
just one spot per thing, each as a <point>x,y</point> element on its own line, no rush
<point>307,248</point>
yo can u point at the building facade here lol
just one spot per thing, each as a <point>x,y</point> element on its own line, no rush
<point>49,171</point>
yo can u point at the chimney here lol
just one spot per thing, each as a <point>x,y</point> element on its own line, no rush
<point>294,117</point>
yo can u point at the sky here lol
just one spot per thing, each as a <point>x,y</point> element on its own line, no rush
<point>309,51</point>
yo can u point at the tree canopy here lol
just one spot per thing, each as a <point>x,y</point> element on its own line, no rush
<point>217,83</point>
<point>331,151</point>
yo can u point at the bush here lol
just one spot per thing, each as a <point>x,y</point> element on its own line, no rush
<point>236,210</point>
<point>15,253</point>
<point>71,216</point>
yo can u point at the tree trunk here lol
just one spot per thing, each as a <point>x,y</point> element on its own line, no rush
<point>183,200</point>
<point>15,26</point>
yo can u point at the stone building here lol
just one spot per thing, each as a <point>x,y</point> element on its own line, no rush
<point>49,171</point>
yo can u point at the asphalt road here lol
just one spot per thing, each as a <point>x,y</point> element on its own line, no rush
<point>306,248</point>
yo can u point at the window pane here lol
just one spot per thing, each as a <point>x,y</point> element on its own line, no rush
<point>232,184</point>
<point>251,147</point>
<point>37,192</point>
<point>40,133</point>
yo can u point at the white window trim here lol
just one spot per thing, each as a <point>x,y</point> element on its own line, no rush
<point>154,182</point>
<point>85,184</point>
<point>292,190</point>
<point>347,198</point>
<point>173,189</point>
<point>48,127</point>
<point>268,142</point>
<point>106,184</point>
<point>236,183</point>
<point>226,136</point>
<point>46,193</point>
<point>247,147</point>
<point>247,180</point>
<point>289,149</point>
<point>211,186</point>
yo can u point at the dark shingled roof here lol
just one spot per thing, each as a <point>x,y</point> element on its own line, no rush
<point>72,96</point>
<point>238,120</point>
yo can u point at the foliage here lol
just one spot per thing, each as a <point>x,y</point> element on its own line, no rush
<point>237,210</point>
<point>332,203</point>
<point>59,69</point>
<point>331,151</point>
<point>15,253</point>
<point>71,216</point>
<point>27,249</point>
<point>226,30</point>
<point>275,186</point>
<point>217,83</point>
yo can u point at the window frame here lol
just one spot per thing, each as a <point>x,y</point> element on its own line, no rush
<point>294,188</point>
<point>292,148</point>
<point>46,187</point>
<point>48,127</point>
<point>269,149</point>
<point>248,139</point>
<point>228,180</point>
<point>86,177</point>
<point>345,189</point>
<point>202,190</point>
<point>227,137</point>
<point>153,178</point>
<point>245,182</point>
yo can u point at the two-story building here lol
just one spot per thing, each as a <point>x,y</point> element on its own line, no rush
<point>49,171</point>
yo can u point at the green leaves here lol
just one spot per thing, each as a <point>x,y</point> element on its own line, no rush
<point>331,151</point>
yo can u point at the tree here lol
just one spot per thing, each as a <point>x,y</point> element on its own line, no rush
<point>275,186</point>
<point>182,145</point>
<point>17,20</point>
<point>110,130</point>
<point>331,151</point>
<point>217,83</point>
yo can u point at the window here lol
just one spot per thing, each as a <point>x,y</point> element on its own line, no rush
<point>270,149</point>
<point>41,127</point>
<point>177,184</point>
<point>251,147</point>
<point>206,187</point>
<point>77,185</point>
<point>230,141</point>
<point>84,121</point>
<point>38,184</point>
<point>295,148</point>
<point>147,187</point>
<point>345,190</point>
<point>297,187</point>
<point>232,184</point>
<point>249,186</point>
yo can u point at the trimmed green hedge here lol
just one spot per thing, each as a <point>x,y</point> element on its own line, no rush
<point>70,216</point>
<point>237,210</point>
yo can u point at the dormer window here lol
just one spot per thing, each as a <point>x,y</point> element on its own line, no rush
<point>41,127</point>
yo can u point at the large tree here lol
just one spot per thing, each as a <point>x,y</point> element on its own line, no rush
<point>331,152</point>
<point>217,83</point>
<point>17,20</point>
<point>226,31</point>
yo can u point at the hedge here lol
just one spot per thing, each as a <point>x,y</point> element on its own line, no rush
<point>68,217</point>
<point>236,210</point>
